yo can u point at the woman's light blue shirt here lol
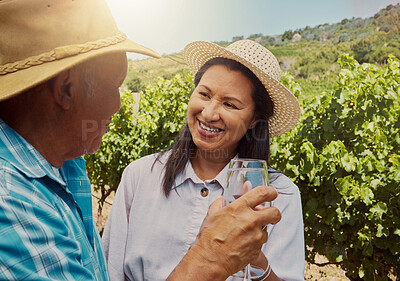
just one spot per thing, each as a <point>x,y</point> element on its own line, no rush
<point>147,234</point>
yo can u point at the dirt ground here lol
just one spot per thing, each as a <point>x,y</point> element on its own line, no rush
<point>313,272</point>
<point>329,272</point>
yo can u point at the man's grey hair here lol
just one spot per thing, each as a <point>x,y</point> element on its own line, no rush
<point>86,71</point>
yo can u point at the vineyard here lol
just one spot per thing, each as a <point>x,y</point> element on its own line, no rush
<point>343,154</point>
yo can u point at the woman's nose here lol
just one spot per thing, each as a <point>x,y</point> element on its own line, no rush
<point>210,112</point>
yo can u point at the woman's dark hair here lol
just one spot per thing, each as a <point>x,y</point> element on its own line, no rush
<point>254,144</point>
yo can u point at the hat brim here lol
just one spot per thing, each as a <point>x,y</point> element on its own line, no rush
<point>286,112</point>
<point>16,82</point>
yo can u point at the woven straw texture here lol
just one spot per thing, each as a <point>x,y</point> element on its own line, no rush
<point>264,65</point>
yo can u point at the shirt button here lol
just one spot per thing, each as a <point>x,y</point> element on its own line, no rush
<point>204,191</point>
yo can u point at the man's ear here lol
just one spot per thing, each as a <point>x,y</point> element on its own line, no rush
<point>62,89</point>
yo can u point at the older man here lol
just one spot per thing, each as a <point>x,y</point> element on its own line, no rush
<point>61,64</point>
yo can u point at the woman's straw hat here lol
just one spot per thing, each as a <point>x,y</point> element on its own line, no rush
<point>264,65</point>
<point>40,38</point>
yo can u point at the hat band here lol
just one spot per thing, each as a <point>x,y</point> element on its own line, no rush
<point>61,52</point>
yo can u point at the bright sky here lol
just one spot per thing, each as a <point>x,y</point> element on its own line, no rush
<point>167,26</point>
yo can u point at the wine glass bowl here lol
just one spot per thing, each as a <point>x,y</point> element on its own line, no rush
<point>243,175</point>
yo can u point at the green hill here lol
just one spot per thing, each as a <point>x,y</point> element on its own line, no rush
<point>310,53</point>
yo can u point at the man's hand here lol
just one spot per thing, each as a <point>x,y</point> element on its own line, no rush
<point>230,237</point>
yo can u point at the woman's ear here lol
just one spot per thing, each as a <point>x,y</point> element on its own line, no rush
<point>253,123</point>
<point>62,89</point>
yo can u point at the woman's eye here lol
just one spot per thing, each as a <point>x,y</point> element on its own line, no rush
<point>204,94</point>
<point>229,105</point>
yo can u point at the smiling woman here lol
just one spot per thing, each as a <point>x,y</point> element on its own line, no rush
<point>238,103</point>
<point>221,110</point>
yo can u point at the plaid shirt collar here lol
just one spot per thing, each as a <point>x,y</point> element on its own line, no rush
<point>28,161</point>
<point>72,178</point>
<point>25,158</point>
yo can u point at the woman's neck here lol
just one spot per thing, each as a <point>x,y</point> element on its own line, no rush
<point>207,165</point>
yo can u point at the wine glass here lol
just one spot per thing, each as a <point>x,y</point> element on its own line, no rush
<point>243,175</point>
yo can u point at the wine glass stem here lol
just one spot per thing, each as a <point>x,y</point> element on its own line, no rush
<point>247,273</point>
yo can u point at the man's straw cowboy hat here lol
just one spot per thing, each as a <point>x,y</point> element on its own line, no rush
<point>264,65</point>
<point>40,38</point>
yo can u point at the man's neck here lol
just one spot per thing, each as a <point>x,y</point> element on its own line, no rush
<point>39,129</point>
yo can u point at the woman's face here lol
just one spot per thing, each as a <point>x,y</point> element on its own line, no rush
<point>220,110</point>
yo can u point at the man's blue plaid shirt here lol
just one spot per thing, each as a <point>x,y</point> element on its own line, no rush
<point>47,230</point>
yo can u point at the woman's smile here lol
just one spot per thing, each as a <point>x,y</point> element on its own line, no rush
<point>207,130</point>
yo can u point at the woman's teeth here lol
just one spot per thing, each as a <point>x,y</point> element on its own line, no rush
<point>209,129</point>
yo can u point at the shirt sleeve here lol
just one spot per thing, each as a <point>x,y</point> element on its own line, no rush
<point>285,246</point>
<point>116,229</point>
<point>35,243</point>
